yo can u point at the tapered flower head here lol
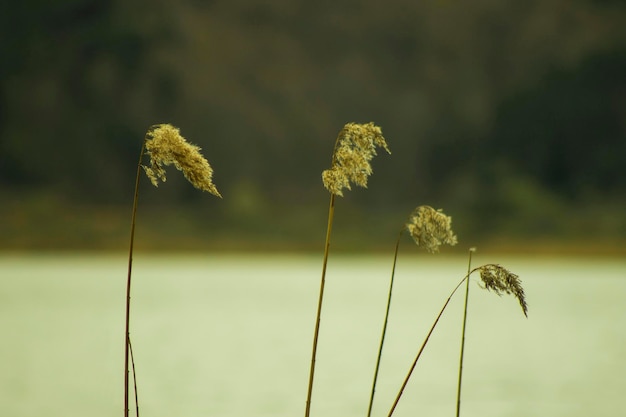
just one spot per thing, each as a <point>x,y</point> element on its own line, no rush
<point>500,280</point>
<point>430,228</point>
<point>166,146</point>
<point>354,149</point>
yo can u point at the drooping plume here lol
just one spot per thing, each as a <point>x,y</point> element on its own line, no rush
<point>498,279</point>
<point>166,146</point>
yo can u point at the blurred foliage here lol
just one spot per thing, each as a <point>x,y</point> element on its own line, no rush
<point>510,115</point>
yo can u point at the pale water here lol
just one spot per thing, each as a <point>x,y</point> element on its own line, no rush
<point>231,336</point>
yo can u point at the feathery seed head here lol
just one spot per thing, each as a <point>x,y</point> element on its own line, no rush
<point>354,149</point>
<point>500,280</point>
<point>430,228</point>
<point>166,146</point>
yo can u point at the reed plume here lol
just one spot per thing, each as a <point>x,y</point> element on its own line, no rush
<point>164,146</point>
<point>355,147</point>
<point>500,280</point>
<point>495,278</point>
<point>429,229</point>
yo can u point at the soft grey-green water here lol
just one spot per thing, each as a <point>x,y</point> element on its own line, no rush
<point>231,336</point>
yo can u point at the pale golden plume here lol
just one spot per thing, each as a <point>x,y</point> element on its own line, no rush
<point>354,149</point>
<point>430,228</point>
<point>166,146</point>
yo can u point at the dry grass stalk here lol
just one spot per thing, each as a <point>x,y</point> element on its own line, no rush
<point>165,146</point>
<point>462,354</point>
<point>421,349</point>
<point>495,278</point>
<point>355,146</point>
<point>429,229</point>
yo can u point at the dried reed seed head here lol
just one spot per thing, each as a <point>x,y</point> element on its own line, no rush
<point>500,280</point>
<point>166,146</point>
<point>354,149</point>
<point>430,228</point>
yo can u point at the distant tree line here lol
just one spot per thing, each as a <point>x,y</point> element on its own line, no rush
<point>471,100</point>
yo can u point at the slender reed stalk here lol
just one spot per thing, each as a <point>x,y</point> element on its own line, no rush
<point>354,148</point>
<point>331,211</point>
<point>132,362</point>
<point>430,229</point>
<point>419,353</point>
<point>384,332</point>
<point>128,280</point>
<point>165,146</point>
<point>458,392</point>
<point>494,278</point>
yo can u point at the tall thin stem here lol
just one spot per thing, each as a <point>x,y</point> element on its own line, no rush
<point>458,392</point>
<point>132,362</point>
<point>331,212</point>
<point>130,268</point>
<point>419,353</point>
<point>384,332</point>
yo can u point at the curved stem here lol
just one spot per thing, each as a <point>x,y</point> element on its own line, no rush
<point>382,338</point>
<point>132,362</point>
<point>331,211</point>
<point>458,392</point>
<point>130,268</point>
<point>419,353</point>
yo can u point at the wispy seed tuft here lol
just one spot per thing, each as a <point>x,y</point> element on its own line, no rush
<point>500,280</point>
<point>166,146</point>
<point>430,228</point>
<point>354,149</point>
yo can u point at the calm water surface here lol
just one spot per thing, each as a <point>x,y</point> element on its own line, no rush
<point>231,336</point>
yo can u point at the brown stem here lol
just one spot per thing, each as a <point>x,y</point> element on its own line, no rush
<point>382,338</point>
<point>458,392</point>
<point>331,211</point>
<point>132,362</point>
<point>130,268</point>
<point>406,380</point>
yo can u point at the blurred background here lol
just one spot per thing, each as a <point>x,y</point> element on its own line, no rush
<point>510,116</point>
